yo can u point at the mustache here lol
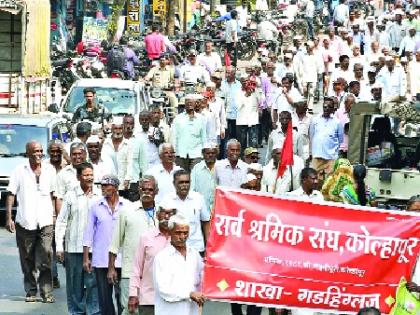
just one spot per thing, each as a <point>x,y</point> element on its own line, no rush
<point>146,196</point>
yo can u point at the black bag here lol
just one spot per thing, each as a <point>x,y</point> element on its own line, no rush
<point>117,59</point>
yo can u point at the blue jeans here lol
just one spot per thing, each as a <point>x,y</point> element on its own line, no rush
<point>310,21</point>
<point>82,291</point>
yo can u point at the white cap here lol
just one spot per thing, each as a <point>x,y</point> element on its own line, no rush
<point>278,146</point>
<point>117,120</point>
<point>210,84</point>
<point>404,59</point>
<point>310,44</point>
<point>399,12</point>
<point>389,58</point>
<point>288,55</point>
<point>93,139</point>
<point>209,145</point>
<point>376,85</point>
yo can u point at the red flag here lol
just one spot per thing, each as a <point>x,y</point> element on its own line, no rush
<point>227,59</point>
<point>287,151</point>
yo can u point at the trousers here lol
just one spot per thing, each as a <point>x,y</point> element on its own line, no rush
<point>105,291</point>
<point>35,254</point>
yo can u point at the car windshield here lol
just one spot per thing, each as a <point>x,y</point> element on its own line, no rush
<point>117,101</point>
<point>13,138</point>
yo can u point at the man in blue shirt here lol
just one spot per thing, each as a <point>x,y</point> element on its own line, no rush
<point>326,134</point>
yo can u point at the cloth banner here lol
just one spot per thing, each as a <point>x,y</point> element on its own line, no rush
<point>289,253</point>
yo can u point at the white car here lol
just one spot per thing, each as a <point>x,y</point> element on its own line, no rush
<point>120,97</point>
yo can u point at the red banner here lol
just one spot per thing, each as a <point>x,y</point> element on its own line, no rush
<point>289,253</point>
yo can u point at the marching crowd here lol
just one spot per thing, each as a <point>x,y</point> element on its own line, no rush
<point>128,214</point>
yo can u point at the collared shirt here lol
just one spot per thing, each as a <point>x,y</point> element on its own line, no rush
<point>276,139</point>
<point>141,280</point>
<point>194,73</point>
<point>210,62</point>
<point>203,181</point>
<point>66,181</point>
<point>189,135</point>
<point>120,158</point>
<point>228,176</point>
<point>394,83</point>
<point>302,126</point>
<point>229,92</point>
<point>99,228</point>
<point>212,125</point>
<point>247,109</point>
<point>341,13</point>
<point>35,208</point>
<point>194,209</point>
<point>132,222</point>
<point>71,222</point>
<point>165,180</point>
<point>315,196</point>
<point>280,102</point>
<point>103,167</point>
<point>218,107</point>
<point>138,163</point>
<point>270,183</point>
<point>268,90</point>
<point>151,155</point>
<point>326,134</point>
<point>174,278</point>
<point>161,77</point>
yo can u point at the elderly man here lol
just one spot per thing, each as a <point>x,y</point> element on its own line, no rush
<point>118,150</point>
<point>132,223</point>
<point>188,135</point>
<point>142,292</point>
<point>56,153</point>
<point>177,271</point>
<point>101,167</point>
<point>209,59</point>
<point>231,171</point>
<point>101,222</point>
<point>164,171</point>
<point>67,177</point>
<point>203,180</point>
<point>33,183</point>
<point>288,182</point>
<point>192,206</point>
<point>393,80</point>
<point>326,135</point>
<point>71,223</point>
<point>308,187</point>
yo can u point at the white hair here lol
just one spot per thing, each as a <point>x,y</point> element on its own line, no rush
<point>177,219</point>
<point>165,144</point>
<point>232,142</point>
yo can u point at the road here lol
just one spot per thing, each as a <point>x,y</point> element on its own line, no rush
<point>12,295</point>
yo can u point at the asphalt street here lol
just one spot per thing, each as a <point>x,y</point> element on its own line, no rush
<point>12,294</point>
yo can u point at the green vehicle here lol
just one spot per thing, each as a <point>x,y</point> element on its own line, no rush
<point>387,141</point>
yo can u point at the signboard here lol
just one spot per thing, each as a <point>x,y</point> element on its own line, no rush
<point>133,17</point>
<point>94,29</point>
<point>159,8</point>
<point>288,253</point>
<point>10,6</point>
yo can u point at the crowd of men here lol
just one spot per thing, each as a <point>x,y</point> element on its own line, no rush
<point>128,214</point>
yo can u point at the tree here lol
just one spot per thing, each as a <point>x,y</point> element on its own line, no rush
<point>117,8</point>
<point>172,7</point>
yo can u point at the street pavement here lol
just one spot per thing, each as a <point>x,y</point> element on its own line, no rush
<point>12,294</point>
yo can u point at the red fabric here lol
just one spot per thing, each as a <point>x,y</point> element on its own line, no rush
<point>227,59</point>
<point>266,250</point>
<point>287,151</point>
<point>154,45</point>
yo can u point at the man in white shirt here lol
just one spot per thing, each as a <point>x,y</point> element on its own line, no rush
<point>191,205</point>
<point>231,37</point>
<point>409,42</point>
<point>192,72</point>
<point>177,271</point>
<point>209,59</point>
<point>67,178</point>
<point>414,74</point>
<point>284,99</point>
<point>341,13</point>
<point>288,182</point>
<point>69,228</point>
<point>118,150</point>
<point>217,106</point>
<point>231,171</point>
<point>308,187</point>
<point>309,15</point>
<point>163,172</point>
<point>266,30</point>
<point>100,167</point>
<point>393,79</point>
<point>33,183</point>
